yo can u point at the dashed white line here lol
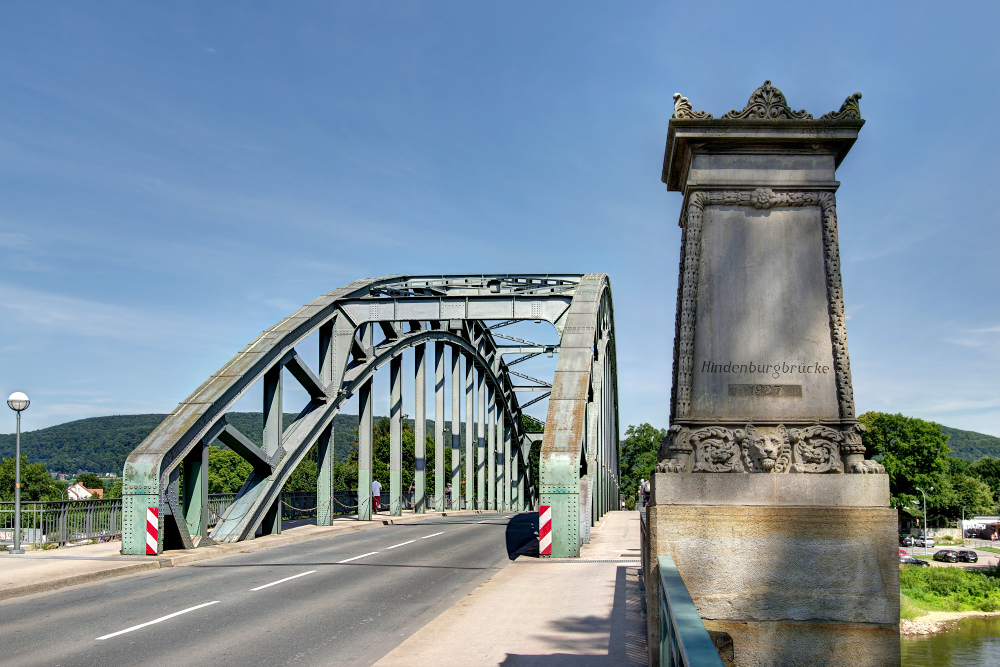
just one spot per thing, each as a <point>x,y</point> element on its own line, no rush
<point>434,535</point>
<point>159,620</point>
<point>401,544</point>
<point>348,560</point>
<point>281,581</point>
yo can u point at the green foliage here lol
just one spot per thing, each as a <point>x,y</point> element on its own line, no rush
<point>227,470</point>
<point>115,491</point>
<point>950,588</point>
<point>970,445</point>
<point>36,483</point>
<point>914,453</point>
<point>89,481</point>
<point>638,456</point>
<point>987,469</point>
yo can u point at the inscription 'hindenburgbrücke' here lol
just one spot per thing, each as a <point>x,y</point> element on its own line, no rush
<point>774,370</point>
<point>790,390</point>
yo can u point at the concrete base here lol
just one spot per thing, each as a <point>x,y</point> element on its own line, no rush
<point>795,569</point>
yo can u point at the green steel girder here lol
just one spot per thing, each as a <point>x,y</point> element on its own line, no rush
<point>347,362</point>
<point>585,384</point>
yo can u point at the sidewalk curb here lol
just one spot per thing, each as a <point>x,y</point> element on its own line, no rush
<point>218,551</point>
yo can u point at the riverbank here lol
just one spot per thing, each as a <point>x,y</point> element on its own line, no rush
<point>933,622</point>
<point>933,600</point>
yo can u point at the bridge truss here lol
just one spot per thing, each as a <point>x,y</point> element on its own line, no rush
<point>363,327</point>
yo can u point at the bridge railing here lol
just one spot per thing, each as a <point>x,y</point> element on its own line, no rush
<point>62,521</point>
<point>684,641</point>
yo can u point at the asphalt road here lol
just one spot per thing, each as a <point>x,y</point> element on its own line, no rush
<point>342,600</point>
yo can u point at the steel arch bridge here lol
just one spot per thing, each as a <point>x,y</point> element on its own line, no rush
<point>369,324</point>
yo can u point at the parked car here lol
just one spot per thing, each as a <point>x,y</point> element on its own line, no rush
<point>921,541</point>
<point>910,560</point>
<point>906,541</point>
<point>947,556</point>
<point>902,552</point>
<point>968,556</point>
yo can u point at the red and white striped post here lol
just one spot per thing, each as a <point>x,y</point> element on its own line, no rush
<point>545,530</point>
<point>152,529</point>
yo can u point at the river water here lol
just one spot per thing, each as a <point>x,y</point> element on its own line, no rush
<point>976,641</point>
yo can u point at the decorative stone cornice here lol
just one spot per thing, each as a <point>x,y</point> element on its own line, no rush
<point>682,109</point>
<point>849,110</point>
<point>768,103</point>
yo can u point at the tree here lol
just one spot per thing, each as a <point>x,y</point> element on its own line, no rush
<point>227,470</point>
<point>914,453</point>
<point>36,483</point>
<point>90,481</point>
<point>987,469</point>
<point>638,456</point>
<point>115,491</point>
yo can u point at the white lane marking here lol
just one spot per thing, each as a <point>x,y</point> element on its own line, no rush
<point>482,521</point>
<point>348,560</point>
<point>159,620</point>
<point>281,581</point>
<point>401,544</point>
<point>434,535</point>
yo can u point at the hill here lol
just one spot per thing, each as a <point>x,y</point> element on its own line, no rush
<point>101,444</point>
<point>970,445</point>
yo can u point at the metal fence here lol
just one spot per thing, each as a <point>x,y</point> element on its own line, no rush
<point>684,641</point>
<point>61,522</point>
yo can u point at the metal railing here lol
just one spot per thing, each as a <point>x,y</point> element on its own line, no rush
<point>684,641</point>
<point>61,522</point>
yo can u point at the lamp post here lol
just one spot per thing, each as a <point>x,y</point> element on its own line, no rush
<point>17,402</point>
<point>925,517</point>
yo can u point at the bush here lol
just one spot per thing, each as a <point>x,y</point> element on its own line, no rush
<point>951,588</point>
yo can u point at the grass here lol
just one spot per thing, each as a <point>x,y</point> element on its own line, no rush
<point>924,589</point>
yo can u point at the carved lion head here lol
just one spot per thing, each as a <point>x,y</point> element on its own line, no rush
<point>767,452</point>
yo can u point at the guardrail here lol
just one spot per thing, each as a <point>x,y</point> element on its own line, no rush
<point>684,641</point>
<point>62,521</point>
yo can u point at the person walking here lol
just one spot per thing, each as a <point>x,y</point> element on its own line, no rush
<point>447,496</point>
<point>376,496</point>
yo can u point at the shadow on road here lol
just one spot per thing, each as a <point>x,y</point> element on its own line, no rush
<point>522,535</point>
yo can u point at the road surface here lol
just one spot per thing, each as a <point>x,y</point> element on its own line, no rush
<point>342,600</point>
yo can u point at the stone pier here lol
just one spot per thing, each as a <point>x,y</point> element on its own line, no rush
<point>779,526</point>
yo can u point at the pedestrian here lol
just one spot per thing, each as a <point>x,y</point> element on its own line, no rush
<point>447,495</point>
<point>645,493</point>
<point>376,495</point>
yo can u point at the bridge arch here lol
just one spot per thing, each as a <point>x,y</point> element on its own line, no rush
<point>411,313</point>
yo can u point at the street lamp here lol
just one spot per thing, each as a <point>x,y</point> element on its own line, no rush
<point>925,517</point>
<point>18,402</point>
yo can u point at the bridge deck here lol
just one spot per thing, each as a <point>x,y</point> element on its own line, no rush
<point>583,612</point>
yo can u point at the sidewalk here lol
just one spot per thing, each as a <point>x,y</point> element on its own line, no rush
<point>51,569</point>
<point>584,612</point>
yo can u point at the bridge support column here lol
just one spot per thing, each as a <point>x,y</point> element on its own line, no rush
<point>365,451</point>
<point>396,436</point>
<point>503,456</point>
<point>196,492</point>
<point>324,477</point>
<point>419,431</point>
<point>481,441</point>
<point>470,431</point>
<point>325,451</point>
<point>491,448</point>
<point>439,427</point>
<point>272,441</point>
<point>456,428</point>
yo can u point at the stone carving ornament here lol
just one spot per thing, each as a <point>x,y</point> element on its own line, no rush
<point>767,103</point>
<point>814,449</point>
<point>682,109</point>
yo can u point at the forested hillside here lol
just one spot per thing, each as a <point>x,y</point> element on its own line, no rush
<point>101,444</point>
<point>970,445</point>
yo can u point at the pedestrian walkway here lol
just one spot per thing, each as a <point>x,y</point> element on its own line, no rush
<point>584,612</point>
<point>50,569</point>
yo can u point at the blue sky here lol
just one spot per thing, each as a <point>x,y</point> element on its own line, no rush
<point>177,178</point>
